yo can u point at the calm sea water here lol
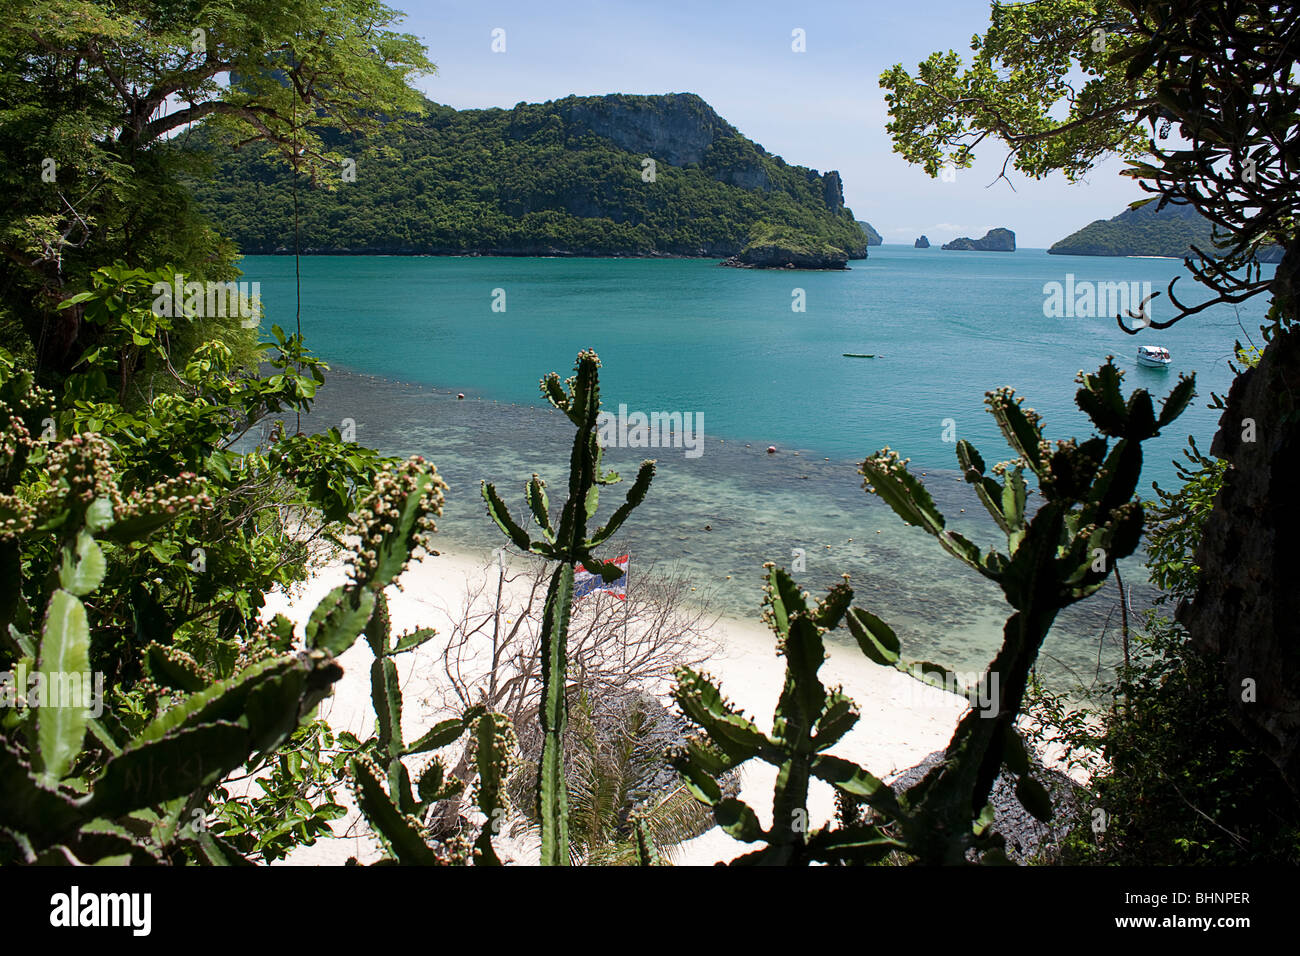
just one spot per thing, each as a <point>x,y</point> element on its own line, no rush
<point>404,335</point>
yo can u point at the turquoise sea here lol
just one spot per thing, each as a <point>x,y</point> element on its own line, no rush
<point>406,334</point>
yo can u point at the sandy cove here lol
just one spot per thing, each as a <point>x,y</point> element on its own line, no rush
<point>902,719</point>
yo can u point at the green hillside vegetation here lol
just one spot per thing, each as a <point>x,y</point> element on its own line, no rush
<point>1145,232</point>
<point>561,177</point>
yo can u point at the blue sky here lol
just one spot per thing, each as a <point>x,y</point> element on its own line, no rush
<point>821,108</point>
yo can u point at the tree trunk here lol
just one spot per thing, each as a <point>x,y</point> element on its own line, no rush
<point>1246,612</point>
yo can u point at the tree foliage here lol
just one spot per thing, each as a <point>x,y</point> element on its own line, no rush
<point>95,98</point>
<point>1127,73</point>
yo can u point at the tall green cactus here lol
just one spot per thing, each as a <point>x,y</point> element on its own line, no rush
<point>567,543</point>
<point>1058,554</point>
<point>1089,520</point>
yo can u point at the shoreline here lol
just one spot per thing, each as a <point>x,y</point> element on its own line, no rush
<point>902,720</point>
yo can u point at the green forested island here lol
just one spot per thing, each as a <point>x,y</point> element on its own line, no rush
<point>1147,231</point>
<point>616,175</point>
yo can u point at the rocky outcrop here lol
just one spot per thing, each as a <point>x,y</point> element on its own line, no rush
<point>873,238</point>
<point>833,191</point>
<point>752,176</point>
<point>922,243</point>
<point>780,257</point>
<point>995,240</point>
<point>1027,837</point>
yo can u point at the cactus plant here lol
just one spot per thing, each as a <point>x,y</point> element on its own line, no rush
<point>136,800</point>
<point>1089,520</point>
<point>1059,554</point>
<point>398,816</point>
<point>809,719</point>
<point>567,543</point>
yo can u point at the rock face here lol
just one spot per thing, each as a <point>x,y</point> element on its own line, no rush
<point>833,191</point>
<point>922,243</point>
<point>750,176</point>
<point>1247,605</point>
<point>1026,836</point>
<point>677,128</point>
<point>995,240</point>
<point>873,238</point>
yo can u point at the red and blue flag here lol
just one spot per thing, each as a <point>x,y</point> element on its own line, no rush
<point>589,582</point>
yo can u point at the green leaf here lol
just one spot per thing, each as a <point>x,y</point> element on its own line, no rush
<point>1017,760</point>
<point>738,819</point>
<point>223,700</point>
<point>99,515</point>
<point>440,735</point>
<point>83,567</point>
<point>904,493</point>
<point>169,669</point>
<point>30,807</point>
<point>65,657</point>
<point>147,774</point>
<point>876,638</point>
<point>635,495</point>
<point>408,642</point>
<point>1176,403</point>
<point>500,514</point>
<point>398,831</point>
<point>852,779</point>
<point>535,493</point>
<point>702,702</point>
<point>338,620</point>
<point>552,785</point>
<point>838,718</point>
<point>1020,433</point>
<point>1101,400</point>
<point>386,697</point>
<point>392,553</point>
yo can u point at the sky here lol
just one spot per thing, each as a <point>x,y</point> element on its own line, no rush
<point>821,108</point>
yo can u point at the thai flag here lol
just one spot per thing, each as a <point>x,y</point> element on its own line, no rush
<point>588,582</point>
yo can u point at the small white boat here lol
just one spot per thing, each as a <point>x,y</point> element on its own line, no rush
<point>1153,356</point>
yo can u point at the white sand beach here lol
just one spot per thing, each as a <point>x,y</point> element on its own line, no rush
<point>902,719</point>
